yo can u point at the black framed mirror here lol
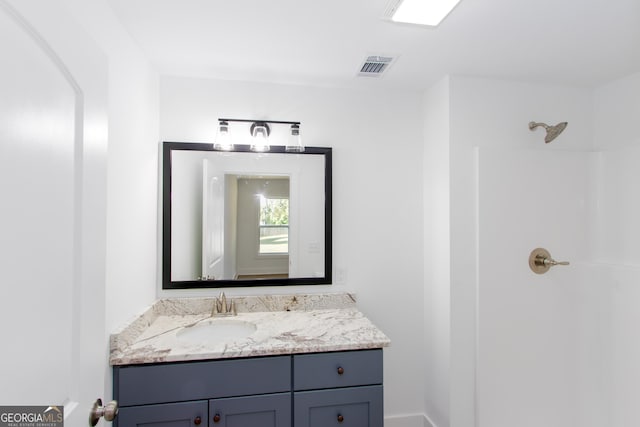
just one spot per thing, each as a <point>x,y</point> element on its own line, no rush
<point>240,218</point>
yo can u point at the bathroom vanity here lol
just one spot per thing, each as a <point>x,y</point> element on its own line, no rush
<point>322,389</point>
<point>311,361</point>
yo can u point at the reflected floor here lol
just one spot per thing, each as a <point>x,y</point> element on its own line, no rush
<point>262,276</point>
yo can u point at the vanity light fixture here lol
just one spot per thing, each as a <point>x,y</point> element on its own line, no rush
<point>421,12</point>
<point>260,135</point>
<point>223,139</point>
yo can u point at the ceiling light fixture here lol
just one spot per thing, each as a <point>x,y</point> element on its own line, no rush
<point>260,136</point>
<point>421,12</point>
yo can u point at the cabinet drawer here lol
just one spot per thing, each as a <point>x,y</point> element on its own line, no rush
<point>340,369</point>
<point>184,414</point>
<point>174,382</point>
<point>347,407</point>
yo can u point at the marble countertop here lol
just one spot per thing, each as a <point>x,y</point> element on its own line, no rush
<point>285,324</point>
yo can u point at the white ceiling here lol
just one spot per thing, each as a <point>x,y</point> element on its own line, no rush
<point>574,42</point>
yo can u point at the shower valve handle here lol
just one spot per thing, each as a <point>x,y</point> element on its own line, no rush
<point>552,262</point>
<point>540,261</point>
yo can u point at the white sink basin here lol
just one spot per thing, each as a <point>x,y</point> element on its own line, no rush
<point>216,330</point>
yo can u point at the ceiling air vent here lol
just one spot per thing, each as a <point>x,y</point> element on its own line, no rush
<point>391,8</point>
<point>374,65</point>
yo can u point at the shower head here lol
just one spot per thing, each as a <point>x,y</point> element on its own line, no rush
<point>552,131</point>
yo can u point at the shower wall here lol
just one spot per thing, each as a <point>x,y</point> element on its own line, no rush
<point>617,244</point>
<point>539,362</point>
<point>558,349</point>
<point>509,193</point>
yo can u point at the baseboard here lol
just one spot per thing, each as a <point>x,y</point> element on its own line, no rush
<point>428,422</point>
<point>416,420</point>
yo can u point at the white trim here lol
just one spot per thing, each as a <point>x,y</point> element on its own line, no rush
<point>415,420</point>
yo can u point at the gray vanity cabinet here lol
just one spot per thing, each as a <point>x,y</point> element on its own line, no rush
<point>305,390</point>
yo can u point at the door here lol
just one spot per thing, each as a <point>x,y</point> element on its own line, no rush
<point>349,407</point>
<point>213,219</point>
<point>52,221</point>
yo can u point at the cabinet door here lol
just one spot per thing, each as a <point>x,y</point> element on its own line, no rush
<point>348,407</point>
<point>271,410</point>
<point>185,414</point>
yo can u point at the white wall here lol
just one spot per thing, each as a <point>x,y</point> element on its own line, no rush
<point>132,165</point>
<point>132,198</point>
<point>437,252</point>
<point>617,107</point>
<point>377,198</point>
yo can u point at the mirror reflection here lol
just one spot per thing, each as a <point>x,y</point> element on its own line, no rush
<point>244,219</point>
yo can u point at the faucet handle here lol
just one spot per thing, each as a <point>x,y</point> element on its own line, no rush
<point>223,303</point>
<point>221,308</point>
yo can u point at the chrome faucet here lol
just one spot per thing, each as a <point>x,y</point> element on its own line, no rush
<point>221,308</point>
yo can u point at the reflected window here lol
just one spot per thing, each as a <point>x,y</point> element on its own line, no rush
<point>274,225</point>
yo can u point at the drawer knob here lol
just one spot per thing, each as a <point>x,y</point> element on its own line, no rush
<point>197,421</point>
<point>340,370</point>
<point>216,418</point>
<point>340,418</point>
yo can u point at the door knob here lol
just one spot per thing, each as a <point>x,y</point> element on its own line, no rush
<point>109,412</point>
